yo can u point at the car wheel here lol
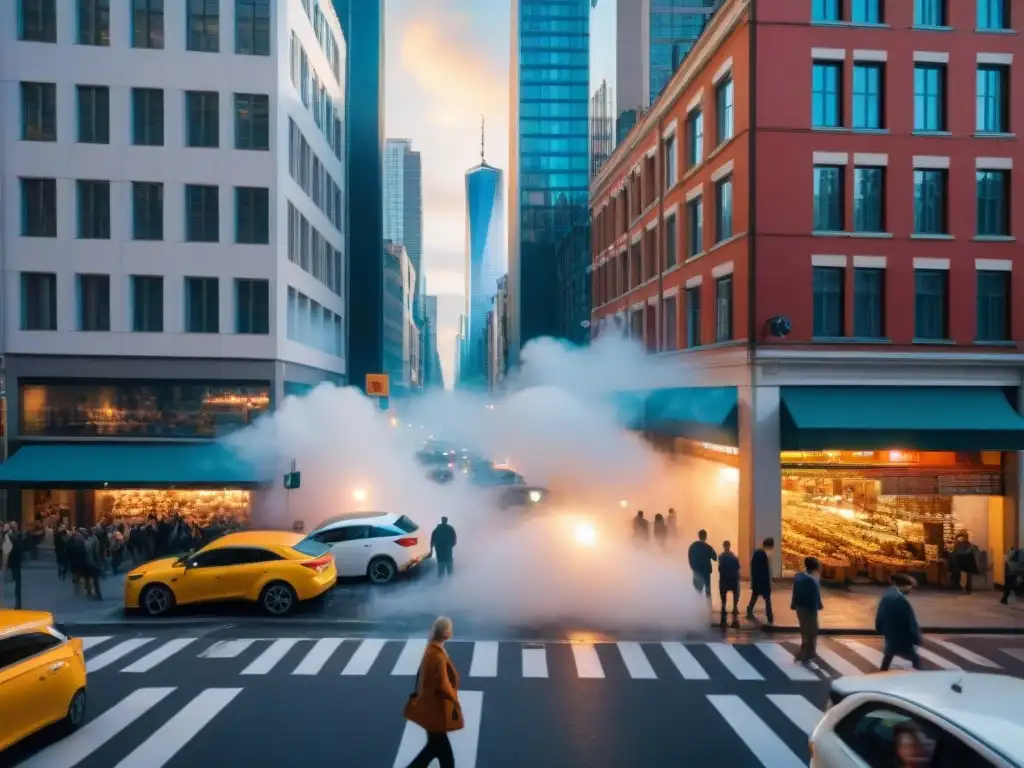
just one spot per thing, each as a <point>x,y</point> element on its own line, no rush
<point>156,600</point>
<point>278,599</point>
<point>75,716</point>
<point>382,570</point>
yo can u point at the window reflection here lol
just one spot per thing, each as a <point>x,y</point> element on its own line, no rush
<point>140,409</point>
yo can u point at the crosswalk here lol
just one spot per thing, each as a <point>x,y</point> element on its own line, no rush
<point>670,660</point>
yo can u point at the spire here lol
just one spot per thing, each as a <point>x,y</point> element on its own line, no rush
<point>481,139</point>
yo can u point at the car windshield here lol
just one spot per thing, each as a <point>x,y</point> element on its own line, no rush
<point>311,547</point>
<point>406,525</point>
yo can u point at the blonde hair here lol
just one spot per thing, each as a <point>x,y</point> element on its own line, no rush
<point>440,628</point>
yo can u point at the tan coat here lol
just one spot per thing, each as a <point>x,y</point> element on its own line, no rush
<point>434,706</point>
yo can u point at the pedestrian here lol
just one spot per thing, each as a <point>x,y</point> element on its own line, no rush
<point>1014,578</point>
<point>93,568</point>
<point>641,529</point>
<point>671,522</point>
<point>761,579</point>
<point>5,553</point>
<point>117,550</point>
<point>660,530</point>
<point>964,560</point>
<point>442,543</point>
<point>60,550</point>
<point>806,602</point>
<point>896,623</point>
<point>434,703</point>
<point>701,555</point>
<point>77,561</point>
<point>13,548</point>
<point>729,581</point>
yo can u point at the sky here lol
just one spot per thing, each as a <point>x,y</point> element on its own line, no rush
<point>446,65</point>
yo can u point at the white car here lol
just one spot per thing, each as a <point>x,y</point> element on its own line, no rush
<point>969,720</point>
<point>379,545</point>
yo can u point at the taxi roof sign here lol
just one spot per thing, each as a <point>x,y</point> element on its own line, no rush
<point>378,385</point>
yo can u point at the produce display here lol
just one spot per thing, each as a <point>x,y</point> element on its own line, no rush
<point>199,506</point>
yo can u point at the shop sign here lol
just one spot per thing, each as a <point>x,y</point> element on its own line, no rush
<point>378,385</point>
<point>971,484</point>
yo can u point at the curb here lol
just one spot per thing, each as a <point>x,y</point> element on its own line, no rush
<point>865,632</point>
<point>151,624</point>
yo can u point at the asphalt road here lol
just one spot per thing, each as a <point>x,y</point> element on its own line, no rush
<point>256,698</point>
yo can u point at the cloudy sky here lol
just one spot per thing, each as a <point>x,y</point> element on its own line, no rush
<point>446,66</point>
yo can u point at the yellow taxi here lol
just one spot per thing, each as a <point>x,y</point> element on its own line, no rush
<point>42,676</point>
<point>275,569</point>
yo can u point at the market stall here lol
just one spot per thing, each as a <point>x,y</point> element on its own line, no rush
<point>136,505</point>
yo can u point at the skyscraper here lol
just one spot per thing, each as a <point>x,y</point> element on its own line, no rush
<point>403,203</point>
<point>549,151</point>
<point>485,263</point>
<point>433,377</point>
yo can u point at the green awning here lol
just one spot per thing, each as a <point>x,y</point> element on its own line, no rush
<point>697,413</point>
<point>915,418</point>
<point>127,465</point>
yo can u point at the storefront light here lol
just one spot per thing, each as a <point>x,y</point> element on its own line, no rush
<point>728,474</point>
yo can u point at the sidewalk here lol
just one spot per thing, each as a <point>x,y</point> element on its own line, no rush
<point>42,591</point>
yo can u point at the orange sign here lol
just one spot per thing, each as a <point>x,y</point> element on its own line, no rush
<point>377,385</point>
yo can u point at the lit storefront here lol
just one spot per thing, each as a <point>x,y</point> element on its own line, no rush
<point>46,507</point>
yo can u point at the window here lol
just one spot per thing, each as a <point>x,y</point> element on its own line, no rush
<point>38,301</point>
<point>693,335</point>
<point>868,104</point>
<point>670,242</point>
<point>723,309</point>
<point>827,94</point>
<point>829,200</point>
<point>866,12</point>
<point>252,27</point>
<point>993,14</point>
<point>869,200</point>
<point>825,10</point>
<point>671,323</point>
<point>252,121</point>
<point>724,110</point>
<point>993,114</point>
<point>94,302</point>
<point>828,302</point>
<point>148,24</point>
<point>202,211</point>
<point>38,21</point>
<point>930,202</point>
<point>252,215</point>
<point>22,646</point>
<point>993,306</point>
<point>147,303</point>
<point>147,210</point>
<point>929,97</point>
<point>929,13</point>
<point>252,306</point>
<point>694,138</point>
<point>39,111</point>
<point>868,303</point>
<point>723,209</point>
<point>147,117</point>
<point>202,109</point>
<point>93,210</point>
<point>694,227</point>
<point>202,305</point>
<point>39,207</point>
<point>993,191</point>
<point>203,32</point>
<point>931,294</point>
<point>93,114</point>
<point>94,22</point>
<point>670,162</point>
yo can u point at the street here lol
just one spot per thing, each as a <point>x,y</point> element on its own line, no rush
<point>245,696</point>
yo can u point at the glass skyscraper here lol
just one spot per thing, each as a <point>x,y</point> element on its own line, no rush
<point>549,147</point>
<point>403,205</point>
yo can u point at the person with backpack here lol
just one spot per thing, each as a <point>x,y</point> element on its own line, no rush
<point>1013,581</point>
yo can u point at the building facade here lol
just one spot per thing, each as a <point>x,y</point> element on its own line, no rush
<point>821,251</point>
<point>574,268</point>
<point>549,152</point>
<point>500,322</point>
<point>173,237</point>
<point>401,333</point>
<point>403,203</point>
<point>433,376</point>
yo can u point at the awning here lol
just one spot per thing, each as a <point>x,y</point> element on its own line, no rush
<point>629,408</point>
<point>697,413</point>
<point>144,465</point>
<point>916,418</point>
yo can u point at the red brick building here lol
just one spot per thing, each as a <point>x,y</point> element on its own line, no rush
<point>830,235</point>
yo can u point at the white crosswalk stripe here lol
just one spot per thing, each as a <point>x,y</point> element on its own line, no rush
<point>267,660</point>
<point>798,709</point>
<point>766,745</point>
<point>485,659</point>
<point>636,661</point>
<point>318,656</point>
<point>119,651</point>
<point>937,660</point>
<point>465,742</point>
<point>227,649</point>
<point>873,655</point>
<point>965,653</point>
<point>740,668</point>
<point>158,655</point>
<point>838,664</point>
<point>363,658</point>
<point>684,661</point>
<point>588,663</point>
<point>784,660</point>
<point>409,660</point>
<point>535,662</point>
<point>90,642</point>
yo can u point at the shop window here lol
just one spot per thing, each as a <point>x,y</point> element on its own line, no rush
<point>201,507</point>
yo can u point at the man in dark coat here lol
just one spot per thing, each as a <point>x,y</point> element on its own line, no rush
<point>761,579</point>
<point>806,602</point>
<point>14,561</point>
<point>701,555</point>
<point>729,581</point>
<point>442,542</point>
<point>895,621</point>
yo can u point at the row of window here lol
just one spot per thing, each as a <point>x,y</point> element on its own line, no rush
<point>315,97</point>
<point>39,306</point>
<point>93,216</point>
<point>931,201</point>
<point>37,22</point>
<point>324,35</point>
<point>932,103</point>
<point>307,170</point>
<point>931,304</point>
<point>313,252</point>
<point>202,116</point>
<point>990,15</point>
<point>313,325</point>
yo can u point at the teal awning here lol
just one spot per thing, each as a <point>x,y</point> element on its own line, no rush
<point>916,418</point>
<point>697,413</point>
<point>127,465</point>
<point>629,408</point>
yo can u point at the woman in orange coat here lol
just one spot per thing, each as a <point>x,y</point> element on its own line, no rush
<point>434,705</point>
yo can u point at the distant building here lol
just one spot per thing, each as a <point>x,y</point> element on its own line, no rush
<point>433,376</point>
<point>403,204</point>
<point>499,325</point>
<point>401,334</point>
<point>574,281</point>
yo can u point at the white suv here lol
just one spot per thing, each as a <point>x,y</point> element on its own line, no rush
<point>379,545</point>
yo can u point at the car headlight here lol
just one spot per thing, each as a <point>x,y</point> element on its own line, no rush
<point>535,496</point>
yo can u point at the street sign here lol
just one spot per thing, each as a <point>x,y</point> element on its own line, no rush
<point>292,481</point>
<point>378,385</point>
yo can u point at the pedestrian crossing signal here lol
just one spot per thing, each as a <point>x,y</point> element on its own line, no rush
<point>292,481</point>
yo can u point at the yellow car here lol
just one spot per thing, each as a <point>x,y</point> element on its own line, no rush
<point>42,676</point>
<point>276,569</point>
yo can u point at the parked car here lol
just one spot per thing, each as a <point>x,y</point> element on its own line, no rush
<point>378,545</point>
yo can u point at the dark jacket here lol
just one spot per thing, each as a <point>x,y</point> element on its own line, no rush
<point>443,541</point>
<point>806,592</point>
<point>896,622</point>
<point>700,555</point>
<point>728,569</point>
<point>760,573</point>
